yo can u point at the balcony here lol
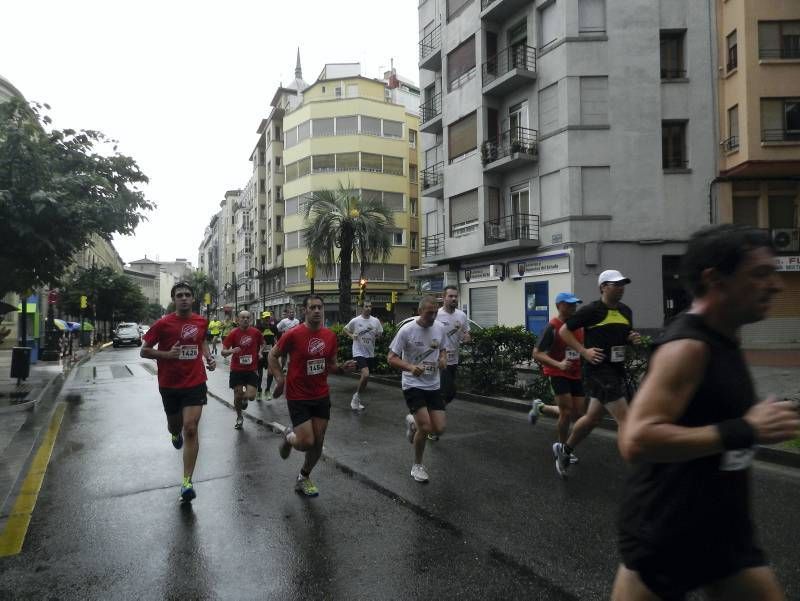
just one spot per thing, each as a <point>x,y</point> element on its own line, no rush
<point>515,148</point>
<point>432,180</point>
<point>780,135</point>
<point>508,70</point>
<point>730,144</point>
<point>513,231</point>
<point>500,10</point>
<point>430,50</point>
<point>433,246</point>
<point>785,53</point>
<point>431,114</point>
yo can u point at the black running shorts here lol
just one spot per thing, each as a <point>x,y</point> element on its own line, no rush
<point>605,384</point>
<point>417,398</point>
<point>243,378</point>
<point>562,385</point>
<point>302,411</point>
<point>369,362</point>
<point>175,399</point>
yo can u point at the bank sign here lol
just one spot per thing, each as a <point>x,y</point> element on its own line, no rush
<point>541,265</point>
<point>791,263</point>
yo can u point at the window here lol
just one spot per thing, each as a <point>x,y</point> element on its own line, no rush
<point>352,90</point>
<point>304,166</point>
<point>347,161</point>
<point>397,238</point>
<point>549,27</point>
<point>463,214</point>
<point>277,161</point>
<point>392,129</point>
<point>413,207</point>
<point>338,91</point>
<point>781,211</point>
<point>780,119</point>
<point>295,239</point>
<point>277,132</point>
<point>733,58</point>
<point>412,138</point>
<point>278,223</point>
<point>591,16</point>
<point>732,143</point>
<point>461,64</point>
<point>346,126</point>
<point>455,6</point>
<point>462,136</point>
<point>548,109</point>
<point>672,66</point>
<point>279,193</point>
<point>323,127</point>
<point>291,172</point>
<point>779,39</point>
<point>371,162</point>
<point>277,250</point>
<point>745,210</point>
<point>412,174</point>
<point>304,131</point>
<point>594,100</point>
<point>393,201</point>
<point>414,241</point>
<point>520,200</point>
<point>291,138</point>
<point>673,145</point>
<point>370,126</point>
<point>324,163</point>
<point>262,185</point>
<point>393,165</point>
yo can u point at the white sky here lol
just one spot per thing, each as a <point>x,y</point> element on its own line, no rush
<point>183,85</point>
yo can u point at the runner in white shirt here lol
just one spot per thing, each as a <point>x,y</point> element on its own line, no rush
<point>284,325</point>
<point>418,351</point>
<point>363,329</point>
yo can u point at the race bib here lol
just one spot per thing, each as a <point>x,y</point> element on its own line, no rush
<point>430,367</point>
<point>572,355</point>
<point>452,356</point>
<point>733,461</point>
<point>245,359</point>
<point>617,354</point>
<point>188,352</point>
<point>315,367</point>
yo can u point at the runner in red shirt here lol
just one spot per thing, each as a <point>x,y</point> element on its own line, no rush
<point>181,341</point>
<point>311,349</point>
<point>244,343</point>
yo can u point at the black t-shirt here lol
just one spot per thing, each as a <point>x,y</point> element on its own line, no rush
<point>547,338</point>
<point>604,328</point>
<point>703,503</point>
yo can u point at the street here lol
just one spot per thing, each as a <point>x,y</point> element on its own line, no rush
<point>495,522</point>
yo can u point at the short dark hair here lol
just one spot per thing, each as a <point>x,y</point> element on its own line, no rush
<point>427,300</point>
<point>308,299</point>
<point>180,285</point>
<point>720,247</point>
<point>450,287</point>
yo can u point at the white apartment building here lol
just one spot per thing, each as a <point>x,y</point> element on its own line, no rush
<point>208,255</point>
<point>562,138</point>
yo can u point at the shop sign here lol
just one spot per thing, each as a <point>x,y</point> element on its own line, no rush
<point>784,263</point>
<point>542,265</point>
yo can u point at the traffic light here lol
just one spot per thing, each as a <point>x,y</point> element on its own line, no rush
<point>84,302</point>
<point>362,289</point>
<point>394,297</point>
<point>311,268</point>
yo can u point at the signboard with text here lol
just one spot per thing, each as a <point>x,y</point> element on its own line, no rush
<point>787,263</point>
<point>558,263</point>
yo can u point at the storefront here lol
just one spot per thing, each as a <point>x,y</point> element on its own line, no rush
<point>781,330</point>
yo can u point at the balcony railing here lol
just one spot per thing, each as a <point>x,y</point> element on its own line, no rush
<point>730,144</point>
<point>780,135</point>
<point>433,176</point>
<point>513,57</point>
<point>430,43</point>
<point>432,107</point>
<point>433,245</point>
<point>519,226</point>
<point>790,52</point>
<point>515,140</point>
<point>733,58</point>
<point>485,3</point>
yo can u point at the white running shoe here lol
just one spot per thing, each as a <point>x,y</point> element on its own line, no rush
<point>411,428</point>
<point>535,412</point>
<point>419,473</point>
<point>562,459</point>
<point>355,403</point>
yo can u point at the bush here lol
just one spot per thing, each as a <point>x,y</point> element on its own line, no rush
<point>490,360</point>
<point>381,347</point>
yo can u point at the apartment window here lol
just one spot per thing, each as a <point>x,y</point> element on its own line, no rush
<point>338,91</point>
<point>672,64</point>
<point>347,161</point>
<point>779,39</point>
<point>304,166</point>
<point>277,250</point>
<point>291,172</point>
<point>291,138</point>
<point>673,145</point>
<point>347,126</point>
<point>462,136</point>
<point>278,193</point>
<point>412,138</point>
<point>277,162</point>
<point>278,223</point>
<point>295,239</point>
<point>323,127</point>
<point>324,163</point>
<point>277,132</point>
<point>461,64</point>
<point>454,7</point>
<point>549,27</point>
<point>414,241</point>
<point>370,126</point>
<point>393,165</point>
<point>413,207</point>
<point>397,238</point>
<point>371,162</point>
<point>548,109</point>
<point>262,185</point>
<point>412,174</point>
<point>591,16</point>
<point>732,143</point>
<point>392,129</point>
<point>594,100</point>
<point>782,211</point>
<point>463,214</point>
<point>780,119</point>
<point>745,210</point>
<point>304,131</point>
<point>733,56</point>
<point>393,201</point>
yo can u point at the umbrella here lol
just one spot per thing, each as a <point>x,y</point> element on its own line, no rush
<point>61,324</point>
<point>6,308</point>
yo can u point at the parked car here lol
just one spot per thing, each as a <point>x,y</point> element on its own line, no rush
<point>127,334</point>
<point>143,329</point>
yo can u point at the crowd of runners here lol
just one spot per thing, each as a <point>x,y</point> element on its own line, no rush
<point>689,432</point>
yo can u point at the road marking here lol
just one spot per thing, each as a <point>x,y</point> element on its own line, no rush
<point>13,535</point>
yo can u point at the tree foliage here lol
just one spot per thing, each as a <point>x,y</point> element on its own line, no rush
<point>111,296</point>
<point>57,188</point>
<point>344,227</point>
<point>202,285</point>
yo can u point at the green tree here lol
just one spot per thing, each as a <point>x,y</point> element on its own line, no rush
<point>57,188</point>
<point>111,296</point>
<point>343,227</point>
<point>202,285</point>
<point>153,311</point>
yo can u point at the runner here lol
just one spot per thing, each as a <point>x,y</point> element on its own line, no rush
<point>244,343</point>
<point>363,329</point>
<point>284,325</point>
<point>312,351</point>
<point>268,332</point>
<point>419,351</point>
<point>608,328</point>
<point>214,329</point>
<point>180,338</point>
<point>227,328</point>
<point>562,366</point>
<point>685,521</point>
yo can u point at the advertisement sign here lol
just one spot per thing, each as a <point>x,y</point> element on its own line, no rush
<point>548,264</point>
<point>790,263</point>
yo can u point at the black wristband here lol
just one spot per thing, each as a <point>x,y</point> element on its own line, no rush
<point>736,434</point>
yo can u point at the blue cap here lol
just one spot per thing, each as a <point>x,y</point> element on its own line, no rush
<point>567,297</point>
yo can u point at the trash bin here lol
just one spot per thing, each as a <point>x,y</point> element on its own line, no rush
<point>20,362</point>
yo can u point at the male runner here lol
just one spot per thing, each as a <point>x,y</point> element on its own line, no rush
<point>312,352</point>
<point>363,329</point>
<point>268,332</point>
<point>288,322</point>
<point>608,328</point>
<point>685,520</point>
<point>214,329</point>
<point>562,366</point>
<point>180,338</point>
<point>244,343</point>
<point>419,351</point>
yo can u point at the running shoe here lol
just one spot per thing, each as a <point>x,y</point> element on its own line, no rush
<point>355,403</point>
<point>239,423</point>
<point>419,473</point>
<point>573,459</point>
<point>259,395</point>
<point>187,492</point>
<point>177,440</point>
<point>269,396</point>
<point>535,412</point>
<point>562,459</point>
<point>306,487</point>
<point>433,437</point>
<point>285,447</point>
<point>411,428</point>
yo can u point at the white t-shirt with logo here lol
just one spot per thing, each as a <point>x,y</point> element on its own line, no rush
<point>366,330</point>
<point>286,324</point>
<point>456,326</point>
<point>420,346</point>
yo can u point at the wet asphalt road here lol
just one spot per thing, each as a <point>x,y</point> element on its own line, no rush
<point>494,522</point>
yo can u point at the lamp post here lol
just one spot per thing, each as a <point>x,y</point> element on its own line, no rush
<point>234,285</point>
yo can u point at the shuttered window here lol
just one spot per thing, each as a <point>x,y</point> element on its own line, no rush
<point>591,16</point>
<point>594,100</point>
<point>323,127</point>
<point>460,62</point>
<point>392,129</point>
<point>483,306</point>
<point>393,201</point>
<point>370,126</point>
<point>548,109</point>
<point>454,6</point>
<point>371,162</point>
<point>549,24</point>
<point>393,165</point>
<point>304,131</point>
<point>346,126</point>
<point>462,136</point>
<point>463,213</point>
<point>304,166</point>
<point>290,138</point>
<point>324,162</point>
<point>347,161</point>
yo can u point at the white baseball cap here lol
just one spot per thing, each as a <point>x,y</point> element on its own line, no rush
<point>612,275</point>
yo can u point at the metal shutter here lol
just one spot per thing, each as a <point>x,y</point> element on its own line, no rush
<point>483,306</point>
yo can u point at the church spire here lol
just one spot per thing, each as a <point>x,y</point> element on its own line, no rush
<point>298,70</point>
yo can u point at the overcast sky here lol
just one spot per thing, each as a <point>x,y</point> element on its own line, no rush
<point>183,85</point>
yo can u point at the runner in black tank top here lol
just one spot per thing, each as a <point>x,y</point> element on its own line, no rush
<point>685,521</point>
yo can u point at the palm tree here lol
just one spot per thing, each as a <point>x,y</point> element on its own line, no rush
<point>344,226</point>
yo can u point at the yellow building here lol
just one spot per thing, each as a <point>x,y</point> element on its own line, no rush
<point>361,133</point>
<point>759,172</point>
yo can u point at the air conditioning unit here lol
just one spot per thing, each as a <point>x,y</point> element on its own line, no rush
<point>786,239</point>
<point>497,232</point>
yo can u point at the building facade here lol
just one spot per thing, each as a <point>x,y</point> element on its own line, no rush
<point>758,42</point>
<point>562,138</point>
